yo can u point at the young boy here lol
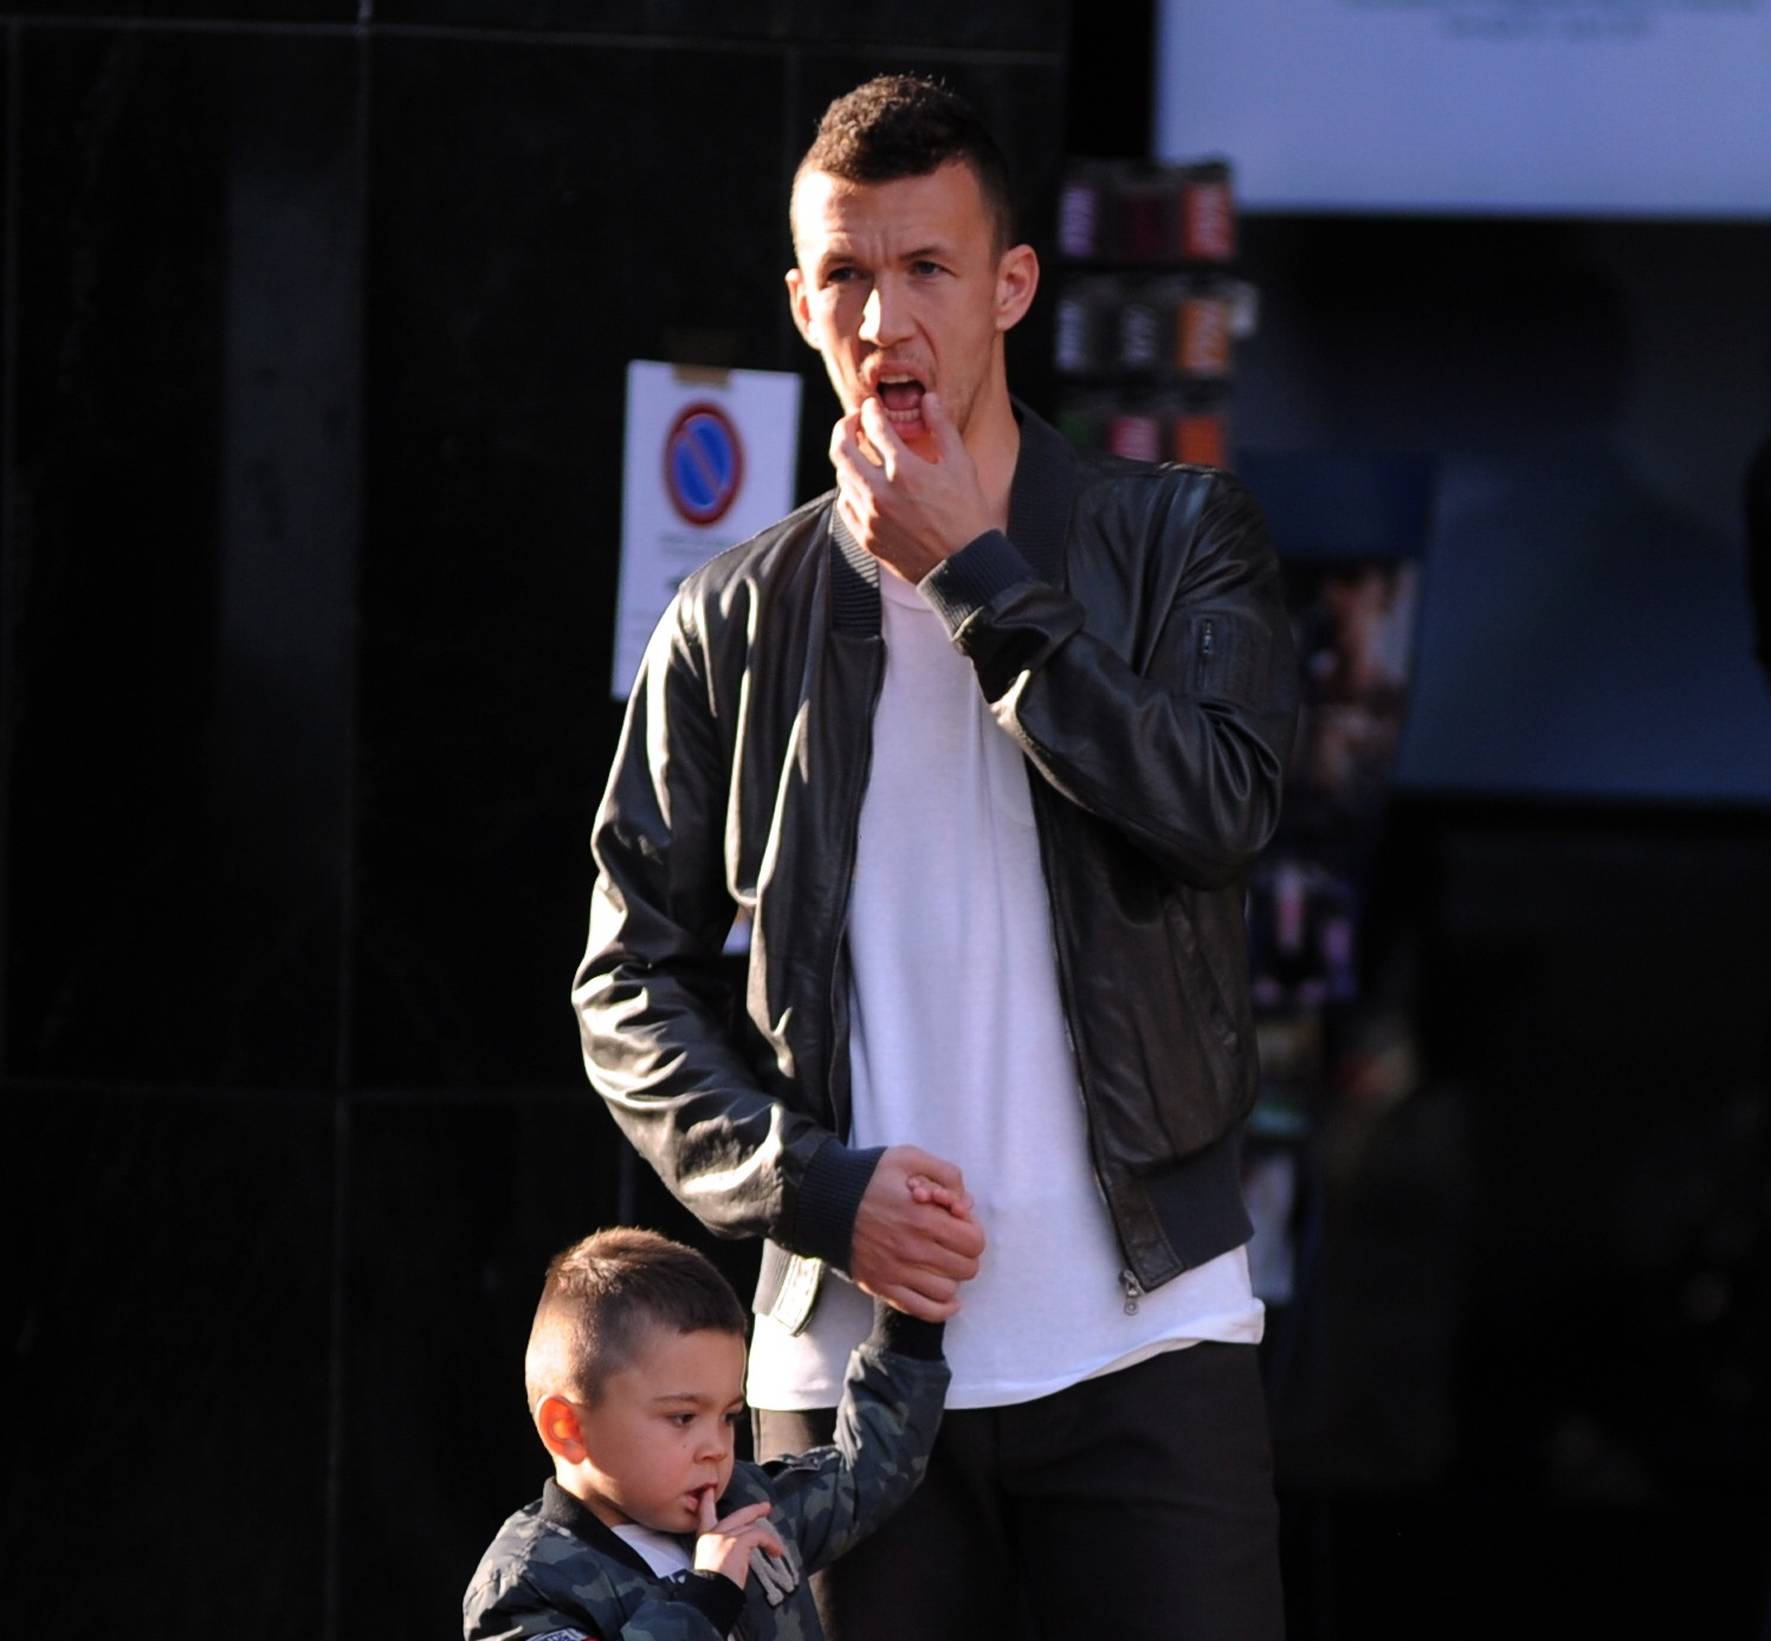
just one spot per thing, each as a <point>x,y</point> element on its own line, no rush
<point>649,1530</point>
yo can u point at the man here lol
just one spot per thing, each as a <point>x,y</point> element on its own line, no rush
<point>982,744</point>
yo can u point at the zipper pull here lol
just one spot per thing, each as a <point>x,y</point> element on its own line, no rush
<point>1129,1286</point>
<point>1205,642</point>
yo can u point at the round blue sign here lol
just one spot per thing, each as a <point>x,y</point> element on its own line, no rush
<point>703,463</point>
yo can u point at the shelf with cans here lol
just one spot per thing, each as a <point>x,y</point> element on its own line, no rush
<point>1150,308</point>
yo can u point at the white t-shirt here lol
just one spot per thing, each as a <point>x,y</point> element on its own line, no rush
<point>959,1046</point>
<point>664,1553</point>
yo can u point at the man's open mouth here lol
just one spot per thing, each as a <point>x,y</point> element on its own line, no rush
<point>901,398</point>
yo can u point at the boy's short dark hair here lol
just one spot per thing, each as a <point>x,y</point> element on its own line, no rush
<point>601,1295</point>
<point>900,125</point>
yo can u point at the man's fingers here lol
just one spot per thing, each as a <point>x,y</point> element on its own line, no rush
<point>846,457</point>
<point>936,1236</point>
<point>954,1202</point>
<point>932,1285</point>
<point>939,423</point>
<point>847,450</point>
<point>883,436</point>
<point>859,509</point>
<point>937,1170</point>
<point>915,1304</point>
<point>935,1253</point>
<point>961,1238</point>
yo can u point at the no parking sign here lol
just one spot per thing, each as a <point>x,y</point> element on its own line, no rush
<point>703,463</point>
<point>708,462</point>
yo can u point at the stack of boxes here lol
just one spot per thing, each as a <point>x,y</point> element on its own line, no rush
<point>1149,309</point>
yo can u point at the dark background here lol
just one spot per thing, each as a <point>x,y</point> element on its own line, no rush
<point>315,328</point>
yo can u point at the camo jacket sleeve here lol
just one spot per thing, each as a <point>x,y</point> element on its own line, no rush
<point>830,1498</point>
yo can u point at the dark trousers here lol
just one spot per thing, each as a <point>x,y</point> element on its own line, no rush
<point>1136,1505</point>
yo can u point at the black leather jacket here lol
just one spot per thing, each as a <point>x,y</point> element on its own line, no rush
<point>1130,633</point>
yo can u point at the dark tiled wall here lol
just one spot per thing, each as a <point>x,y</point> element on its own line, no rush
<point>315,330</point>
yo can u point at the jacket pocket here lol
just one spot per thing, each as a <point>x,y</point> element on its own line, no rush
<point>787,1287</point>
<point>1232,657</point>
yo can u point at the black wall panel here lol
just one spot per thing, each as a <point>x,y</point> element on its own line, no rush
<point>509,285</point>
<point>180,553</point>
<point>8,432</point>
<point>168,1452</point>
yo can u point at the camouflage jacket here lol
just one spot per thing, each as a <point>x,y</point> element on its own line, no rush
<point>555,1571</point>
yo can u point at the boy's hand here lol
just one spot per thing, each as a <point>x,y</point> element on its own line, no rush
<point>724,1546</point>
<point>925,1190</point>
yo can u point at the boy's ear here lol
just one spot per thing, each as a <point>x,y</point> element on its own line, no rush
<point>561,1433</point>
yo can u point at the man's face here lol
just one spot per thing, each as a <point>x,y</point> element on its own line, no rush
<point>898,288</point>
<point>662,1431</point>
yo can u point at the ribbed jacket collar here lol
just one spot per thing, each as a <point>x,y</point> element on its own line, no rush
<point>560,1509</point>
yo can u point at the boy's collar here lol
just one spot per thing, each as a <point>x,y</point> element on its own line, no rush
<point>560,1509</point>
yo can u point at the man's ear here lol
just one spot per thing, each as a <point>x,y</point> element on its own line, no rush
<point>561,1433</point>
<point>800,305</point>
<point>1017,278</point>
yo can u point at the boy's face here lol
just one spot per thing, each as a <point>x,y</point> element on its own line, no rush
<point>662,1430</point>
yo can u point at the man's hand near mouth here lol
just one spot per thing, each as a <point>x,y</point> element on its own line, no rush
<point>908,510</point>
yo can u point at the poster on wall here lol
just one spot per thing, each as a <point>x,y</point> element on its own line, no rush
<point>708,463</point>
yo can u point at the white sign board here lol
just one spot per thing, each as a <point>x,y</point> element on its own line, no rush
<point>709,462</point>
<point>1630,108</point>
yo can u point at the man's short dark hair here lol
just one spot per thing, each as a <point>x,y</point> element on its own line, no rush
<point>602,1295</point>
<point>900,125</point>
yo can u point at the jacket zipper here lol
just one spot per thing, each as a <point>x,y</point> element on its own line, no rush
<point>1132,1289</point>
<point>1128,1281</point>
<point>851,834</point>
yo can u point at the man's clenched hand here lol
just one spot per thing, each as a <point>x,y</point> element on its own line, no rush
<point>907,510</point>
<point>910,1247</point>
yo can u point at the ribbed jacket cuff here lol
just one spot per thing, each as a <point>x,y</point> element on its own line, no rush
<point>829,1198</point>
<point>893,1330</point>
<point>960,586</point>
<point>717,1598</point>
